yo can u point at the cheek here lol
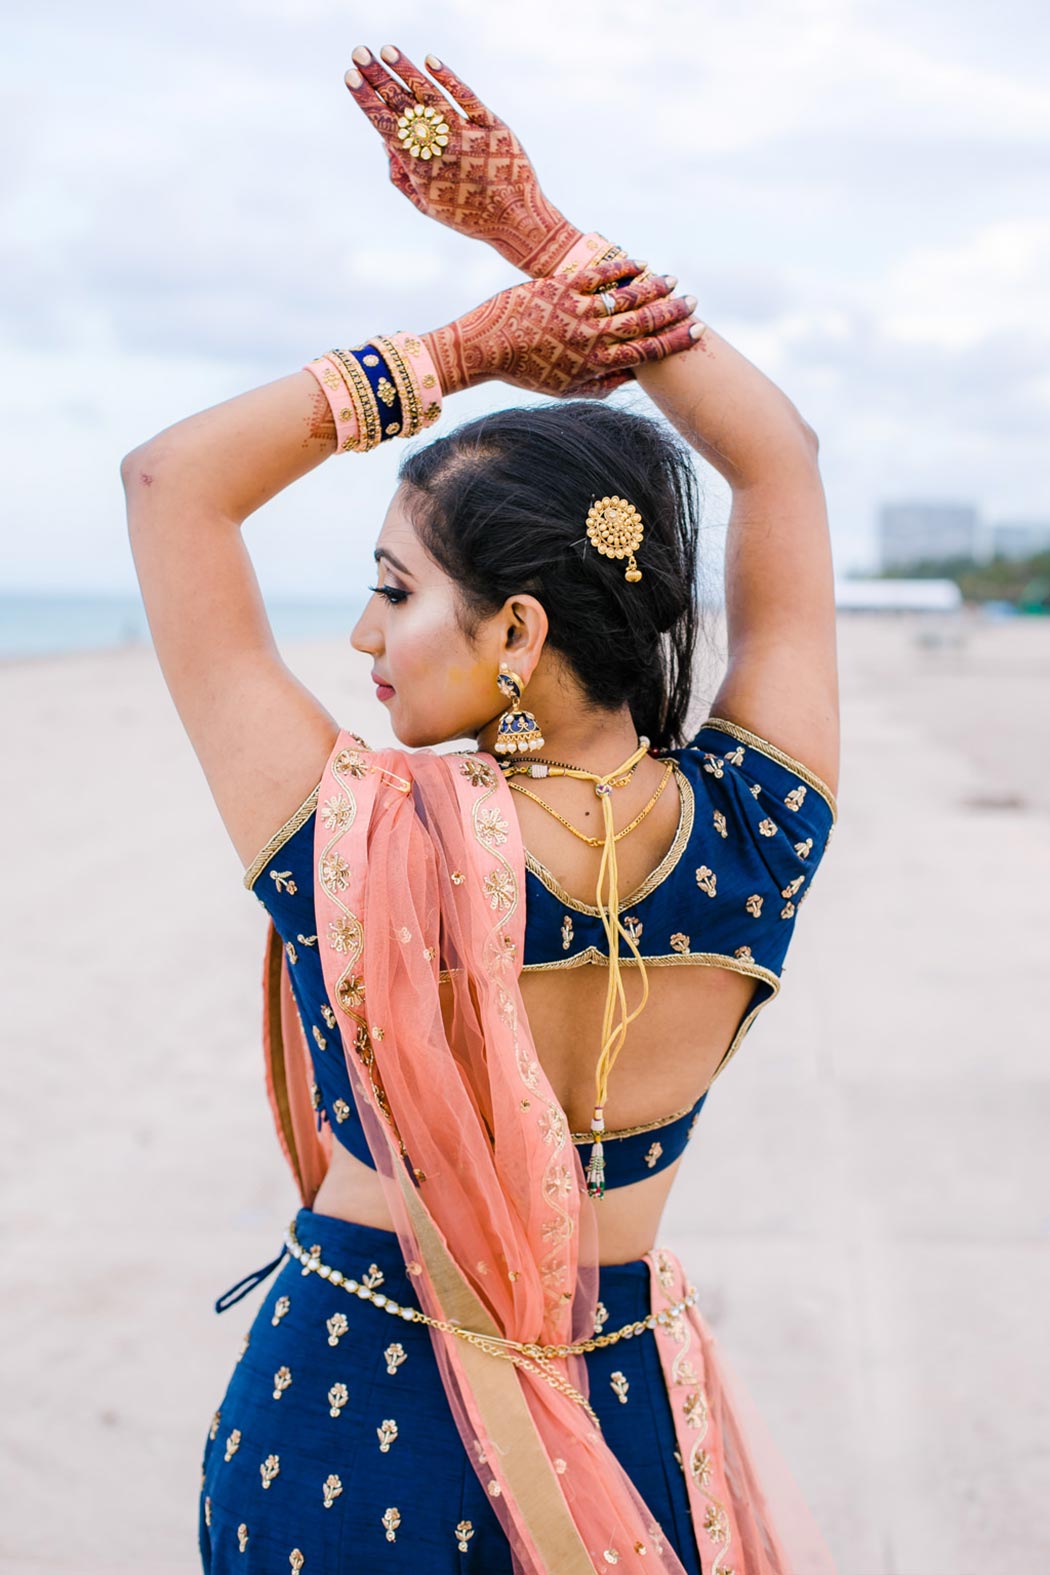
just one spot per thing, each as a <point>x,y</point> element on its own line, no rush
<point>428,654</point>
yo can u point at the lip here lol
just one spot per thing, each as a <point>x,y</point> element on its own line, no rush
<point>383,690</point>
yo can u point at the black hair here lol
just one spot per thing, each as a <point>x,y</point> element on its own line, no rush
<point>501,505</point>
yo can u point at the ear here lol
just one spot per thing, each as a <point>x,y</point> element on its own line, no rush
<point>523,625</point>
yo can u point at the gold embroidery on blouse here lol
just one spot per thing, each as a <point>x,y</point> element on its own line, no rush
<point>386,1432</point>
<point>754,905</point>
<point>792,886</point>
<point>374,1278</point>
<point>714,766</point>
<point>623,1132</point>
<point>788,910</point>
<point>337,1327</point>
<point>680,943</point>
<point>394,1355</point>
<point>764,747</point>
<point>768,827</point>
<point>653,1154</point>
<point>244,1345</point>
<point>338,1396</point>
<point>207,1511</point>
<point>328,1015</point>
<point>743,952</point>
<point>340,1110</point>
<point>707,880</point>
<point>391,1520</point>
<point>566,932</point>
<point>216,1419</point>
<point>463,1533</point>
<point>804,849</point>
<point>293,955</point>
<point>619,1386</point>
<point>601,1317</point>
<point>298,818</point>
<point>280,1308</point>
<point>269,1469</point>
<point>633,926</point>
<point>233,1443</point>
<point>794,799</point>
<point>242,1537</point>
<point>281,1379</point>
<point>720,823</point>
<point>296,1559</point>
<point>331,1488</point>
<point>315,1096</point>
<point>307,940</point>
<point>319,1039</point>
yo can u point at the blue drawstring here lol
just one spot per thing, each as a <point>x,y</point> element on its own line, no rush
<point>250,1281</point>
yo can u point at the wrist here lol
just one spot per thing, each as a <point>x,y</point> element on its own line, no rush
<point>387,387</point>
<point>447,348</point>
<point>547,240</point>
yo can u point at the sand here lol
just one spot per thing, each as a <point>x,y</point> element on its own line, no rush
<point>864,1208</point>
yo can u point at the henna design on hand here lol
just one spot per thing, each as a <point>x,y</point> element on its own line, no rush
<point>483,183</point>
<point>553,337</point>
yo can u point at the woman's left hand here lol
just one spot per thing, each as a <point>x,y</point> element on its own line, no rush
<point>462,166</point>
<point>554,337</point>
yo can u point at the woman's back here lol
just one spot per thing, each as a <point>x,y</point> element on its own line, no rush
<point>710,879</point>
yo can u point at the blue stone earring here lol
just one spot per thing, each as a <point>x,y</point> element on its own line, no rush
<point>517,730</point>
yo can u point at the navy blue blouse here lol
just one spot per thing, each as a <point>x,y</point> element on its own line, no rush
<point>752,828</point>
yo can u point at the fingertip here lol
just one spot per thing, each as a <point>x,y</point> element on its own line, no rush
<point>390,54</point>
<point>434,63</point>
<point>362,56</point>
<point>353,79</point>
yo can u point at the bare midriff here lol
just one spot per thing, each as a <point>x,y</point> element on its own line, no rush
<point>671,1053</point>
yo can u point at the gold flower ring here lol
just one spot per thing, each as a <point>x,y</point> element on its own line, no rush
<point>423,131</point>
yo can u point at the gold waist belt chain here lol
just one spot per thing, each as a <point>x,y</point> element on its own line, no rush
<point>522,1352</point>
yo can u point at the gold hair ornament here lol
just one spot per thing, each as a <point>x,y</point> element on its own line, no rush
<point>615,527</point>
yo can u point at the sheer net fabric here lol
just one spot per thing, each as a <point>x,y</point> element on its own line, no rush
<point>419,871</point>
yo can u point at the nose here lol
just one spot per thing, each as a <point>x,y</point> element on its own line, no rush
<point>364,636</point>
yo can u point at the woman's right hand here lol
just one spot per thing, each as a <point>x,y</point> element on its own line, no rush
<point>553,337</point>
<point>478,179</point>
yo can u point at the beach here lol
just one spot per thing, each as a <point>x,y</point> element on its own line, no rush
<point>863,1208</point>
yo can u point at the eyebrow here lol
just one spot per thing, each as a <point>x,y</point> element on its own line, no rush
<point>381,553</point>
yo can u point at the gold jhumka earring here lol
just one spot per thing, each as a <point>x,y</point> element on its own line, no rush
<point>518,730</point>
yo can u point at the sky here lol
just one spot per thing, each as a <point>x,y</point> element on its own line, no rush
<point>191,205</point>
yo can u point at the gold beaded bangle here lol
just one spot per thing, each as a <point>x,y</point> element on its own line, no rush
<point>411,406</point>
<point>356,380</point>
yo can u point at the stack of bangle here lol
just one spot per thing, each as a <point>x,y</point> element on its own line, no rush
<point>594,248</point>
<point>384,389</point>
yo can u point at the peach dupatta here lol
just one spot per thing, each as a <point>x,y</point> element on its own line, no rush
<point>419,880</point>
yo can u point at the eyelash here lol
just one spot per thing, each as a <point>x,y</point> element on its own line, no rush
<point>393,596</point>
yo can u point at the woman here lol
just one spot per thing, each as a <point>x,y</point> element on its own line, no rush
<point>464,945</point>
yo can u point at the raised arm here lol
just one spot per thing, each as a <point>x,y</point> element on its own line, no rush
<point>262,738</point>
<point>781,679</point>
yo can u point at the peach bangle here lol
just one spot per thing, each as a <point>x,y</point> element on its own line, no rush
<point>351,391</point>
<point>593,248</point>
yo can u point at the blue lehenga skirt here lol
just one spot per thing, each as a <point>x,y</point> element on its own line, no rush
<point>334,1449</point>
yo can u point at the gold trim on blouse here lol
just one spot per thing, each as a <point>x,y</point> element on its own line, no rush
<point>656,877</point>
<point>279,838</point>
<point>743,735</point>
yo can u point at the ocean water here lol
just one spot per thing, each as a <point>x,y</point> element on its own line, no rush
<point>40,624</point>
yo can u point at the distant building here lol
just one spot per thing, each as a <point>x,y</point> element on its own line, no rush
<point>912,533</point>
<point>1020,538</point>
<point>898,596</point>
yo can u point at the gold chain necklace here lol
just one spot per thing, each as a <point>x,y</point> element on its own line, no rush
<point>594,842</point>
